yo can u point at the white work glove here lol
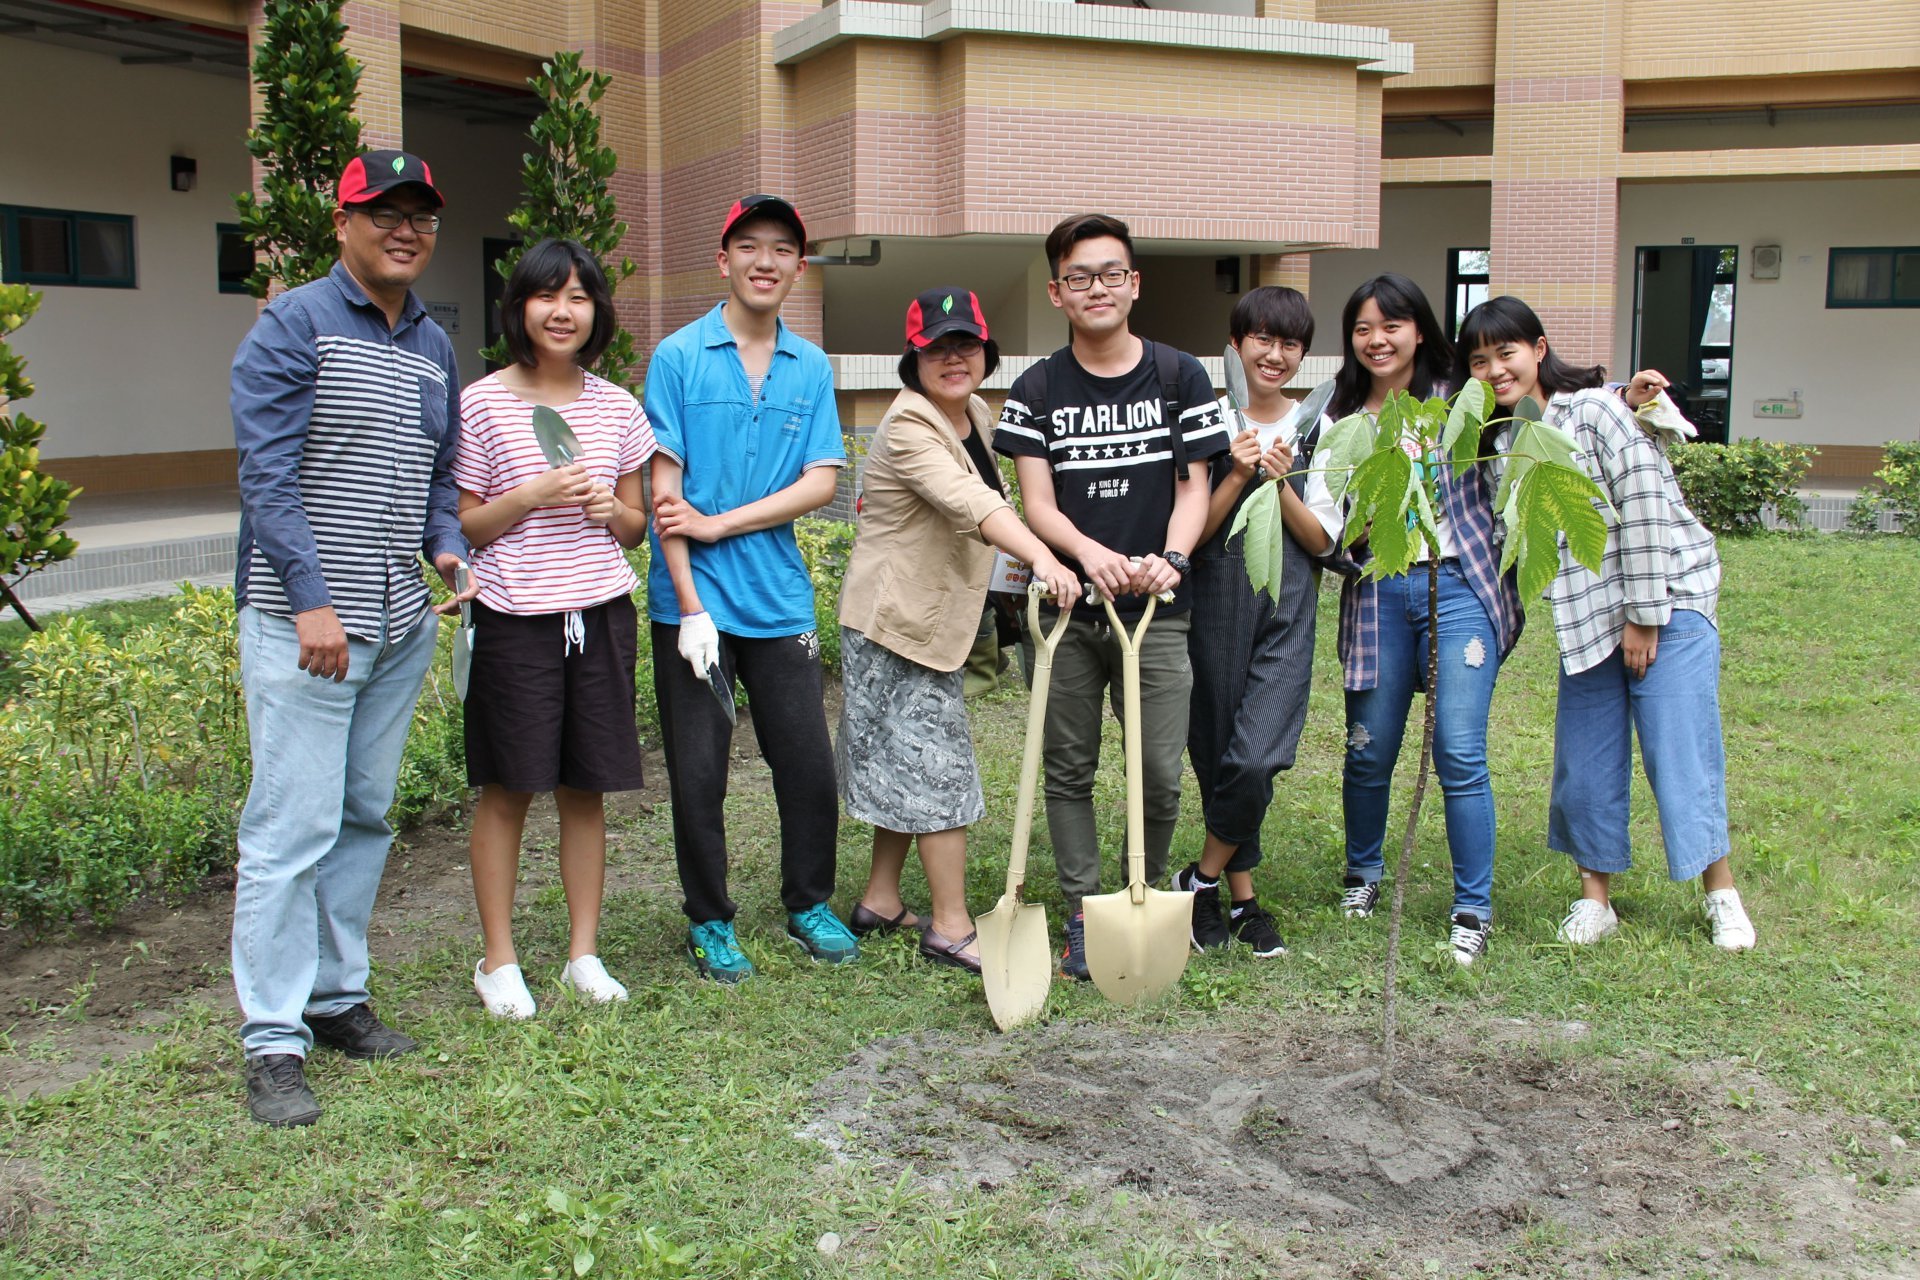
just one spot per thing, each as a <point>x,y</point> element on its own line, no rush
<point>699,643</point>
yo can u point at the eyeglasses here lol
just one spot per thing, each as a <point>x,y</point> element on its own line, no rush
<point>1264,342</point>
<point>1081,281</point>
<point>965,348</point>
<point>390,219</point>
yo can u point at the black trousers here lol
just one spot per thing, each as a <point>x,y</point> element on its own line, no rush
<point>782,680</point>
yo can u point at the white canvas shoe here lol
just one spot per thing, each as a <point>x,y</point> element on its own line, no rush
<point>590,978</point>
<point>504,991</point>
<point>1588,921</point>
<point>1732,930</point>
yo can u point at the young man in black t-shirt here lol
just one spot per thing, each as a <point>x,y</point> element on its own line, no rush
<point>1098,449</point>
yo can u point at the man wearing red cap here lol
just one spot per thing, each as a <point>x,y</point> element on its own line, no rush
<point>345,408</point>
<point>749,439</point>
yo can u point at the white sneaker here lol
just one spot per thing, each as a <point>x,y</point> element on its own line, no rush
<point>504,991</point>
<point>590,978</point>
<point>1732,930</point>
<point>1469,937</point>
<point>1588,921</point>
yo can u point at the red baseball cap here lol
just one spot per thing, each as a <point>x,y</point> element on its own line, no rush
<point>938,312</point>
<point>763,207</point>
<point>375,173</point>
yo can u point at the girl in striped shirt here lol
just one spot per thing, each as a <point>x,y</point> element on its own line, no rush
<point>550,705</point>
<point>1639,644</point>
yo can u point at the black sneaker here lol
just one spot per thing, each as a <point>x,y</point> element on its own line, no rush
<point>277,1092</point>
<point>1209,926</point>
<point>1358,897</point>
<point>1469,937</point>
<point>358,1034</point>
<point>1253,926</point>
<point>1073,962</point>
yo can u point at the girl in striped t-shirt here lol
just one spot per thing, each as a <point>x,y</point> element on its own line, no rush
<point>550,704</point>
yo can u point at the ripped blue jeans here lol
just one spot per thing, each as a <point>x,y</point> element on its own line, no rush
<point>1377,722</point>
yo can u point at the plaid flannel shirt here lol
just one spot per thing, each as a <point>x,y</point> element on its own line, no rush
<point>1659,557</point>
<point>1466,503</point>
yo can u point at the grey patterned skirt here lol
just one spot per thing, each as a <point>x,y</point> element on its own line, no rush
<point>905,750</point>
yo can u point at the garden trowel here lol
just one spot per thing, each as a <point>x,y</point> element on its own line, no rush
<point>1016,966</point>
<point>463,638</point>
<point>1137,939</point>
<point>555,437</point>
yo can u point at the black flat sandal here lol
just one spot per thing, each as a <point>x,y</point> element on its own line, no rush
<point>937,949</point>
<point>864,922</point>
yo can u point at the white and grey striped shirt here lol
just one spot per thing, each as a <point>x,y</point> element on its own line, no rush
<point>346,431</point>
<point>1659,556</point>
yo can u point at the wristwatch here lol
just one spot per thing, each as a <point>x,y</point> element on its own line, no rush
<point>1181,565</point>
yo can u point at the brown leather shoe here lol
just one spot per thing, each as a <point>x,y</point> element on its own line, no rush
<point>939,950</point>
<point>864,922</point>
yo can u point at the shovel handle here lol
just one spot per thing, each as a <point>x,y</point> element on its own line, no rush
<point>1044,644</point>
<point>1130,735</point>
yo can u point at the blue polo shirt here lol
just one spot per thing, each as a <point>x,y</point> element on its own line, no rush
<point>734,450</point>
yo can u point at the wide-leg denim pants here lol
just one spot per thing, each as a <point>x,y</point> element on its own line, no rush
<point>314,836</point>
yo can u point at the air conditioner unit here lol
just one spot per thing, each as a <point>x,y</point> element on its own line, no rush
<point>1766,262</point>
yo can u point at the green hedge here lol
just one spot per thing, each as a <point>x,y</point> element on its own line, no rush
<point>124,758</point>
<point>1730,486</point>
<point>1897,494</point>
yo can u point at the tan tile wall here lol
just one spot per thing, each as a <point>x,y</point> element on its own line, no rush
<point>1669,39</point>
<point>1453,39</point>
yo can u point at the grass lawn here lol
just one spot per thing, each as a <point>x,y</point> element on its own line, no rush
<point>664,1137</point>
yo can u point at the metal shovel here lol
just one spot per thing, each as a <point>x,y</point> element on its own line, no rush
<point>1137,939</point>
<point>1016,965</point>
<point>463,638</point>
<point>555,438</point>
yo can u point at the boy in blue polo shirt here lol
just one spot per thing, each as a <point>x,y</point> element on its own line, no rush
<point>749,439</point>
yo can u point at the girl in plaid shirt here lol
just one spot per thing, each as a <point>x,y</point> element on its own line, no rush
<point>1394,343</point>
<point>1640,651</point>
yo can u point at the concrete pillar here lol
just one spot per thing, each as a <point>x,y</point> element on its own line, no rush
<point>373,38</point>
<point>1557,129</point>
<point>1290,270</point>
<point>621,38</point>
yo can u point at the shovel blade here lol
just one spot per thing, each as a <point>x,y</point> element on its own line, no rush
<point>1016,964</point>
<point>1137,951</point>
<point>462,661</point>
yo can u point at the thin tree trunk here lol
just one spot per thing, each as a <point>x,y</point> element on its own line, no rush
<point>32,623</point>
<point>1388,987</point>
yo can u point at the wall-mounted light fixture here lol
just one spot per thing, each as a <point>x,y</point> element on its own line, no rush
<point>183,171</point>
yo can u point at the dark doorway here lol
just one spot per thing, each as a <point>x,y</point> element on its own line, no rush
<point>493,286</point>
<point>1683,326</point>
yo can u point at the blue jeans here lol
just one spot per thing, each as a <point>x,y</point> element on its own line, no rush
<point>1675,711</point>
<point>314,834</point>
<point>1377,721</point>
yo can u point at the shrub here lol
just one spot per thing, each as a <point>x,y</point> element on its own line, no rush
<point>33,504</point>
<point>1898,495</point>
<point>826,545</point>
<point>1731,486</point>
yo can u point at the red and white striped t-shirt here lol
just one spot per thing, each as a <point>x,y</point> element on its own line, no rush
<point>554,559</point>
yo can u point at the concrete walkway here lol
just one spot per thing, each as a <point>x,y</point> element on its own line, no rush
<point>134,546</point>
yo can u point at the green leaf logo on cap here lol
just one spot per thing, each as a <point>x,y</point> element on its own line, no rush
<point>947,306</point>
<point>399,163</point>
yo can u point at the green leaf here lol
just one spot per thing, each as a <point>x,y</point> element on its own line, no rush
<point>1551,501</point>
<point>1263,538</point>
<point>582,1260</point>
<point>1344,446</point>
<point>1382,492</point>
<point>1471,409</point>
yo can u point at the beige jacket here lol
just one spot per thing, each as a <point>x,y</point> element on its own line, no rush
<point>919,570</point>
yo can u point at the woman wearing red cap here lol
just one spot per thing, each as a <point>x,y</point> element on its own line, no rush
<point>933,510</point>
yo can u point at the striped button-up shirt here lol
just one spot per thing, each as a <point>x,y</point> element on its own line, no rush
<point>346,430</point>
<point>1659,556</point>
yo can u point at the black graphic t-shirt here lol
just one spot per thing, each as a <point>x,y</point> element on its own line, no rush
<point>1111,449</point>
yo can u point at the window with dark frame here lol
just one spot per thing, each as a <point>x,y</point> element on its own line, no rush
<point>233,258</point>
<point>1873,277</point>
<point>1467,284</point>
<point>66,247</point>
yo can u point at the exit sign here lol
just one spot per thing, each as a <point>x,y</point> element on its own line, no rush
<point>1776,408</point>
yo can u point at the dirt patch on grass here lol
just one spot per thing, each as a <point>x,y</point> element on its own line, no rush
<point>1496,1149</point>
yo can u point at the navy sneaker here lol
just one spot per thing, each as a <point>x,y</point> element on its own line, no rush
<point>1073,962</point>
<point>716,953</point>
<point>1253,926</point>
<point>821,934</point>
<point>1358,897</point>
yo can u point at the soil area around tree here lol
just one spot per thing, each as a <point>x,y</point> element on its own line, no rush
<point>1499,1142</point>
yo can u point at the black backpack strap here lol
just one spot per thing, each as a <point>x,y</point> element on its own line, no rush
<point>1167,360</point>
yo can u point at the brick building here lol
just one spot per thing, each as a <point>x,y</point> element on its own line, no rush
<point>1643,172</point>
